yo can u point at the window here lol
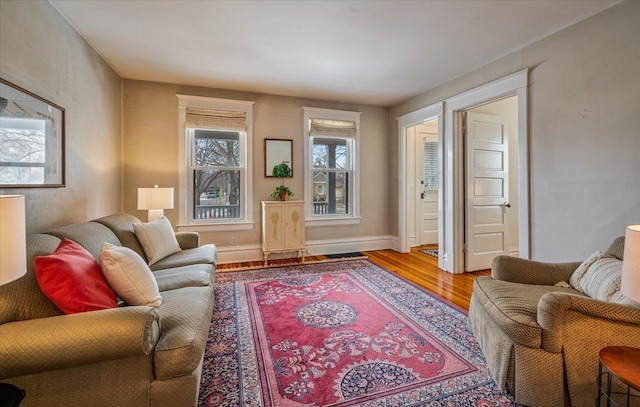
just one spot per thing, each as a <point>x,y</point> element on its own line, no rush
<point>23,153</point>
<point>431,165</point>
<point>216,180</point>
<point>331,147</point>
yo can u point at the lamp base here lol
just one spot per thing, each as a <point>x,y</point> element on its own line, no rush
<point>155,214</point>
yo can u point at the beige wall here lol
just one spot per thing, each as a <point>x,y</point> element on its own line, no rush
<point>584,131</point>
<point>41,52</point>
<point>151,153</point>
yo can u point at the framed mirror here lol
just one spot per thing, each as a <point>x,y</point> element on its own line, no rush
<point>31,139</point>
<point>277,151</point>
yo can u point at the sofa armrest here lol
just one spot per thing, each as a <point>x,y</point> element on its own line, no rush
<point>517,270</point>
<point>556,309</point>
<point>188,240</point>
<point>44,344</point>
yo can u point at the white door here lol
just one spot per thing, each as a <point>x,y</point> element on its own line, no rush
<point>429,189</point>
<point>487,190</point>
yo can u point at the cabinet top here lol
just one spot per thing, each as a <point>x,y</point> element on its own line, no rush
<point>281,202</point>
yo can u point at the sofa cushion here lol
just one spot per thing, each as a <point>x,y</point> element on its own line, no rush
<point>89,235</point>
<point>514,306</point>
<point>205,254</point>
<point>185,316</point>
<point>121,224</point>
<point>72,279</point>
<point>196,275</point>
<point>157,239</point>
<point>129,276</point>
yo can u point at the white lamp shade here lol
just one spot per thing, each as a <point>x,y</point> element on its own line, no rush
<point>13,238</point>
<point>630,284</point>
<point>155,198</point>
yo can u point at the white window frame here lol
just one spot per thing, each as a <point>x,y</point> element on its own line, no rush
<point>185,145</point>
<point>353,215</point>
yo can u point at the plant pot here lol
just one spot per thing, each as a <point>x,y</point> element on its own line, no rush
<point>283,195</point>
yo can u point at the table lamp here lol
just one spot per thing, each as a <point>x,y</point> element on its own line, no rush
<point>630,284</point>
<point>155,200</point>
<point>13,237</point>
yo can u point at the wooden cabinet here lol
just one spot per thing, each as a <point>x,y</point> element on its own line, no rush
<point>282,228</point>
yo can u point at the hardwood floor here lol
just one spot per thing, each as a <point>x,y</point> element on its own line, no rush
<point>417,267</point>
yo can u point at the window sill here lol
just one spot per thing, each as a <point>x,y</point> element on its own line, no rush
<point>215,227</point>
<point>315,222</point>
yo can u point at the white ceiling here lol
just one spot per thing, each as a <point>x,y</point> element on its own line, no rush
<point>369,52</point>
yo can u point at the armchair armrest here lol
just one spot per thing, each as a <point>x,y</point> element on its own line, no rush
<point>556,309</point>
<point>517,270</point>
<point>188,240</point>
<point>39,345</point>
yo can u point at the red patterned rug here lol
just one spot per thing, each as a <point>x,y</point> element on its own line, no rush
<point>345,333</point>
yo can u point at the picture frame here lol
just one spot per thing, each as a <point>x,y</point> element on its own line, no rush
<point>277,151</point>
<point>32,139</point>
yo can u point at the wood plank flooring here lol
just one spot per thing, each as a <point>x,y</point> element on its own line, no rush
<point>417,267</point>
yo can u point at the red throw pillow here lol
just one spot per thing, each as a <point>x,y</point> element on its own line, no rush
<point>72,279</point>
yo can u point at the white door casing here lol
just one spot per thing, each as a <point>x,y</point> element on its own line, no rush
<point>487,190</point>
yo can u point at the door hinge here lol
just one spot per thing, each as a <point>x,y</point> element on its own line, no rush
<point>464,248</point>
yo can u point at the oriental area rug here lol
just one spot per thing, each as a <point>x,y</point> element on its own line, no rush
<point>341,333</point>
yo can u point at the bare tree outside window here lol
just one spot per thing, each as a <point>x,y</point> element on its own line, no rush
<point>216,174</point>
<point>330,175</point>
<point>22,151</point>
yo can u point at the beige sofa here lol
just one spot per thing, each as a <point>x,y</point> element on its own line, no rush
<point>542,341</point>
<point>126,356</point>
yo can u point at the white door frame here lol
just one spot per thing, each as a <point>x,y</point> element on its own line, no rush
<point>512,85</point>
<point>431,112</point>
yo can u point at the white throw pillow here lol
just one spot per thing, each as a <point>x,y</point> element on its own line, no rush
<point>578,275</point>
<point>602,279</point>
<point>157,239</point>
<point>129,276</point>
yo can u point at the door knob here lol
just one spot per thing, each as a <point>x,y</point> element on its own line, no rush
<point>507,205</point>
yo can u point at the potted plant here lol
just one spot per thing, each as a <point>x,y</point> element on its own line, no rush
<point>281,192</point>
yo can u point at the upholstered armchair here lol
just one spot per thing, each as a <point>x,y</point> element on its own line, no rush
<point>541,337</point>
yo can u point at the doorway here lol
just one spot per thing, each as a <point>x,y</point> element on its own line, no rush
<point>491,182</point>
<point>451,194</point>
<point>424,177</point>
<point>515,85</point>
<point>410,188</point>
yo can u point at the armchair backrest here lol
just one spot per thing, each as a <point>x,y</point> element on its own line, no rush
<point>617,248</point>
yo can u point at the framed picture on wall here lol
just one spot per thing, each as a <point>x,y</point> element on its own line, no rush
<point>277,151</point>
<point>31,139</point>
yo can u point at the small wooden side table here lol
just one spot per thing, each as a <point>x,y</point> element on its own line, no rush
<point>623,363</point>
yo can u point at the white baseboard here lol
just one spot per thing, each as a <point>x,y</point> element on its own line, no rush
<point>347,245</point>
<point>514,251</point>
<point>253,252</point>
<point>238,254</point>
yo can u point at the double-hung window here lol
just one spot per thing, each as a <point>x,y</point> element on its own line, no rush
<point>331,166</point>
<point>216,181</point>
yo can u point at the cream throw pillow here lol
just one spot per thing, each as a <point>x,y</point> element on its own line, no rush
<point>578,275</point>
<point>157,239</point>
<point>602,279</point>
<point>129,276</point>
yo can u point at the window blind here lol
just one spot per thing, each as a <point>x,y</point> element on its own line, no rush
<point>326,127</point>
<point>431,179</point>
<point>216,119</point>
